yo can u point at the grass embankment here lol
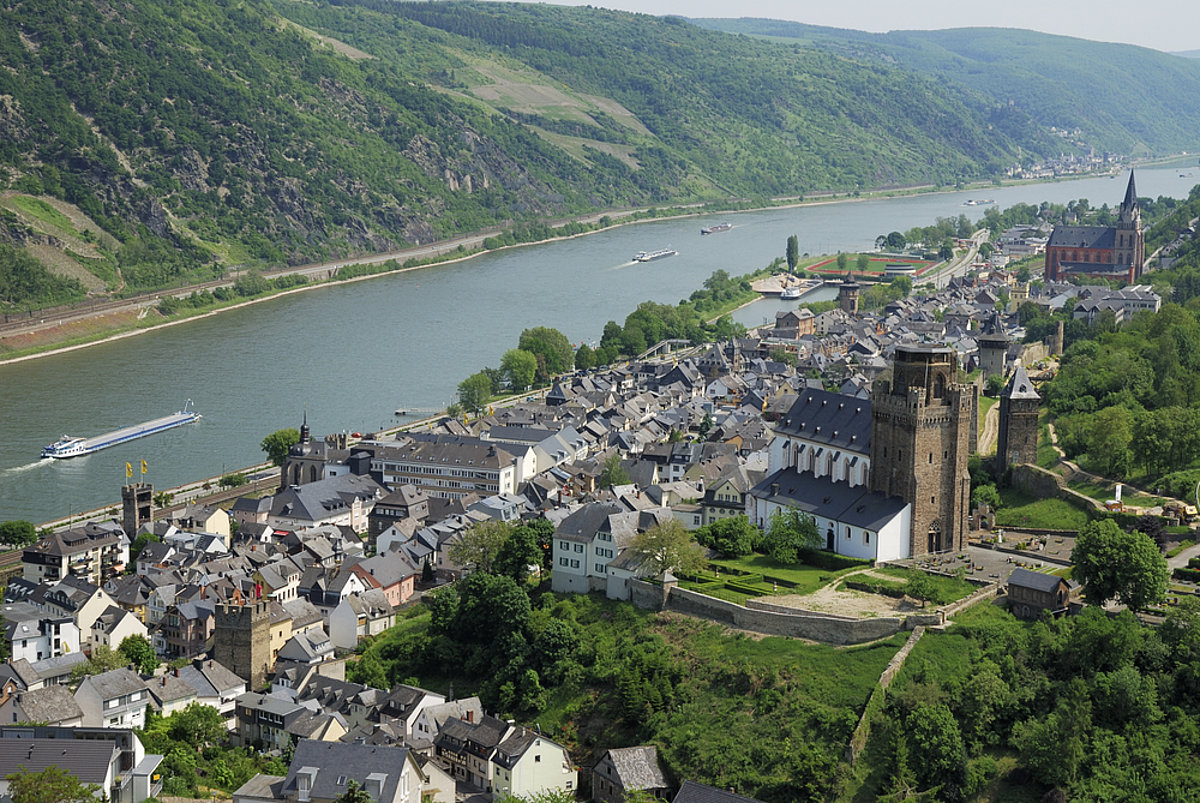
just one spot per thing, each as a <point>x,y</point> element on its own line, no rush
<point>945,589</point>
<point>1019,509</point>
<point>767,716</point>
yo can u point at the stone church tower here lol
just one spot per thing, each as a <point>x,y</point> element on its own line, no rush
<point>920,442</point>
<point>1018,438</point>
<point>1130,245</point>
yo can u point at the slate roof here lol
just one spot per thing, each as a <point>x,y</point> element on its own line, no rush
<point>692,792</point>
<point>1038,581</point>
<point>842,422</point>
<point>1083,237</point>
<point>20,670</point>
<point>1020,387</point>
<point>87,760</point>
<point>334,760</point>
<point>116,683</point>
<point>638,767</point>
<point>51,704</point>
<point>839,501</point>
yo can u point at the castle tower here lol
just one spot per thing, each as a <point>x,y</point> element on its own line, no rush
<point>848,295</point>
<point>1018,438</point>
<point>993,347</point>
<point>137,506</point>
<point>1129,247</point>
<point>242,640</point>
<point>920,433</point>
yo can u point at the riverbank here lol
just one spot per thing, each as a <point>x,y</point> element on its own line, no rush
<point>142,315</point>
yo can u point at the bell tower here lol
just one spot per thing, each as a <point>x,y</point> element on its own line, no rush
<point>920,442</point>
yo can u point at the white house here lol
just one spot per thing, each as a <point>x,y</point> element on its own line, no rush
<point>34,635</point>
<point>527,763</point>
<point>367,613</point>
<point>585,542</point>
<point>114,699</point>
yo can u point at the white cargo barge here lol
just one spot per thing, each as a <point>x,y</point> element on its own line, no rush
<point>68,446</point>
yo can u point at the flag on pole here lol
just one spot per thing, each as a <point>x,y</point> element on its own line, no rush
<point>145,467</point>
<point>128,470</point>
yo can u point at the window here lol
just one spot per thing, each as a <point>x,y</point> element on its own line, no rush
<point>537,758</point>
<point>866,537</point>
<point>562,561</point>
<point>574,564</point>
<point>579,547</point>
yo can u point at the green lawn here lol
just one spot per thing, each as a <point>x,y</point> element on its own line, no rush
<point>1020,509</point>
<point>807,578</point>
<point>946,589</point>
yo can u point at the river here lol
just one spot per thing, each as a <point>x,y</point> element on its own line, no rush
<point>349,355</point>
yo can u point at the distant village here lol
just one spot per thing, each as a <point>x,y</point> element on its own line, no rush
<point>259,603</point>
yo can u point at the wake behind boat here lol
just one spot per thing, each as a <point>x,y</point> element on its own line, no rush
<point>68,446</point>
<point>649,256</point>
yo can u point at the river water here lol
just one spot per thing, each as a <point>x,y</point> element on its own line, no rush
<point>349,355</point>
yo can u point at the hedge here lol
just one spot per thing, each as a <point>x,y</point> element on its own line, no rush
<point>831,561</point>
<point>1190,575</point>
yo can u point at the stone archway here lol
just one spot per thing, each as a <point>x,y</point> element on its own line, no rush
<point>935,536</point>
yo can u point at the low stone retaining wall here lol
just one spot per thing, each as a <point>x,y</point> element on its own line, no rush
<point>984,593</point>
<point>1046,484</point>
<point>875,702</point>
<point>808,625</point>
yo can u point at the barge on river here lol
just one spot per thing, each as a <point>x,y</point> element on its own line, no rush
<point>68,446</point>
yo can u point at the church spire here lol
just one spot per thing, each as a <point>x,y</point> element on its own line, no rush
<point>1130,193</point>
<point>305,436</point>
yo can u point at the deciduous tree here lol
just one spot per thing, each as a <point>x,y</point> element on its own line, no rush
<point>519,367</point>
<point>1114,564</point>
<point>279,442</point>
<point>51,785</point>
<point>668,546</point>
<point>790,531</point>
<point>138,651</point>
<point>474,392</point>
<point>552,345</point>
<point>17,533</point>
<point>479,545</point>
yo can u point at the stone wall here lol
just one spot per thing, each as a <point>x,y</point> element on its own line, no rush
<point>647,596</point>
<point>1048,485</point>
<point>818,627</point>
<point>875,702</point>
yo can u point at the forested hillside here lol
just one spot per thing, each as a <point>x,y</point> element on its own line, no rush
<point>1120,98</point>
<point>146,144</point>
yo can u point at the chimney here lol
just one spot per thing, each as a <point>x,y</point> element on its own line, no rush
<point>176,671</point>
<point>470,716</point>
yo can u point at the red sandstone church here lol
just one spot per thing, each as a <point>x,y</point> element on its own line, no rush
<point>1104,252</point>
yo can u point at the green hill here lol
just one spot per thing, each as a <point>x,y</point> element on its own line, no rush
<point>147,144</point>
<point>1119,98</point>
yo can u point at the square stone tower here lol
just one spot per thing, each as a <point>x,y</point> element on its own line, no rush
<point>1017,441</point>
<point>137,506</point>
<point>242,640</point>
<point>920,442</point>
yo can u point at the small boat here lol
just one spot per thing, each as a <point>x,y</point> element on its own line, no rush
<point>650,256</point>
<point>791,293</point>
<point>719,227</point>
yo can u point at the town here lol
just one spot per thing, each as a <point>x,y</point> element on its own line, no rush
<point>842,440</point>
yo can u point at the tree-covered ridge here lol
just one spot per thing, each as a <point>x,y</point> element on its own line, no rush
<point>755,117</point>
<point>1099,88</point>
<point>1093,706</point>
<point>201,121</point>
